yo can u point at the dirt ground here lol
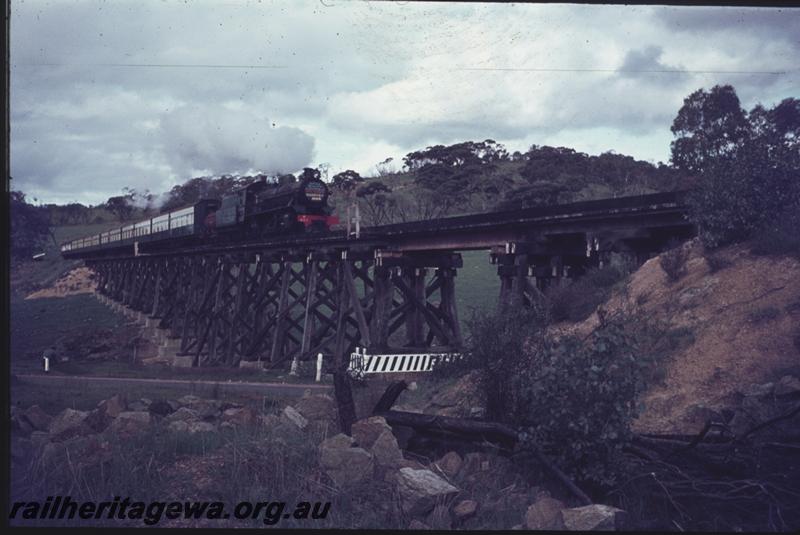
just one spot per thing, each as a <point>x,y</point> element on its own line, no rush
<point>745,322</point>
<point>80,280</point>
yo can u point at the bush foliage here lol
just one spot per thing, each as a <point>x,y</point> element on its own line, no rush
<point>574,398</point>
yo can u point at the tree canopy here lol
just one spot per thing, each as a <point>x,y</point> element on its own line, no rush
<point>748,163</point>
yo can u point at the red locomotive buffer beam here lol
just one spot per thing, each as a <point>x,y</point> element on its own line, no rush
<point>326,220</point>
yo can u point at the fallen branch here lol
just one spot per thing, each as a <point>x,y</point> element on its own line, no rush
<point>389,397</point>
<point>769,422</point>
<point>478,430</point>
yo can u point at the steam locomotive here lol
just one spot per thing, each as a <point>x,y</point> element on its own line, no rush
<point>259,209</point>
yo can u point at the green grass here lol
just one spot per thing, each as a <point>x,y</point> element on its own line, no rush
<point>86,395</point>
<point>37,324</point>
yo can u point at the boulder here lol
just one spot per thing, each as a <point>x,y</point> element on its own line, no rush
<point>465,509</point>
<point>138,405</point>
<point>188,400</point>
<point>420,490</point>
<point>365,432</point>
<point>69,423</point>
<point>292,416</point>
<point>317,408</point>
<point>206,409</point>
<point>160,408</point>
<point>759,391</point>
<point>37,418</point>
<point>418,524</point>
<point>191,426</point>
<point>344,464</point>
<point>113,405</point>
<point>238,416</point>
<point>595,517</point>
<point>98,420</point>
<point>83,451</point>
<point>450,464</point>
<point>386,451</point>
<point>787,386</point>
<point>131,423</point>
<point>21,425</point>
<point>544,514</point>
<point>473,462</point>
<point>183,414</point>
<point>39,438</point>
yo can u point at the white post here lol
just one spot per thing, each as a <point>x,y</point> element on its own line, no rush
<point>46,364</point>
<point>293,370</point>
<point>319,367</point>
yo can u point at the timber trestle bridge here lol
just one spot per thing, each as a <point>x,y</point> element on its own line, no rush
<point>391,289</point>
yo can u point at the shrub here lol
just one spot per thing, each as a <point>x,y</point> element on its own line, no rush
<point>763,315</point>
<point>779,237</point>
<point>717,263</point>
<point>575,301</point>
<point>673,262</point>
<point>574,399</point>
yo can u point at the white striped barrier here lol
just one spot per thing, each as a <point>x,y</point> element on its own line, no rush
<point>362,363</point>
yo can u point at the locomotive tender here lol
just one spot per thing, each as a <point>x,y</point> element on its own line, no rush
<point>259,209</point>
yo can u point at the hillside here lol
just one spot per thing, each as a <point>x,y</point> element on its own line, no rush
<point>741,328</point>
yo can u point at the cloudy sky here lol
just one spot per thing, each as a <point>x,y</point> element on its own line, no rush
<point>148,94</point>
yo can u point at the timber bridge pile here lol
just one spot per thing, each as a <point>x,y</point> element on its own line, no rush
<point>293,296</point>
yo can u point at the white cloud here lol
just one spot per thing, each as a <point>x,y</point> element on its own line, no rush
<point>106,95</point>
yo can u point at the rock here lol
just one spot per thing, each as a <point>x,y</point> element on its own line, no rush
<point>37,418</point>
<point>317,407</point>
<point>450,464</point>
<point>595,517</point>
<point>113,405</point>
<point>386,451</point>
<point>188,400</point>
<point>138,405</point>
<point>160,408</point>
<point>344,464</point>
<point>82,451</point>
<point>131,423</point>
<point>420,490</point>
<point>240,416</point>
<point>39,439</point>
<point>69,423</point>
<point>787,386</point>
<point>411,463</point>
<point>418,524</point>
<point>21,425</point>
<point>473,462</point>
<point>758,391</point>
<point>439,518</point>
<point>192,426</point>
<point>98,420</point>
<point>184,414</point>
<point>365,432</point>
<point>544,514</point>
<point>293,417</point>
<point>206,409</point>
<point>270,421</point>
<point>465,509</point>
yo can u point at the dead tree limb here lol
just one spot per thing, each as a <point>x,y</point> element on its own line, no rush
<point>389,397</point>
<point>478,430</point>
<point>767,423</point>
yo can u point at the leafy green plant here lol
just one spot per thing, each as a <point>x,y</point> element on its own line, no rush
<point>763,315</point>
<point>716,263</point>
<point>673,262</point>
<point>575,301</point>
